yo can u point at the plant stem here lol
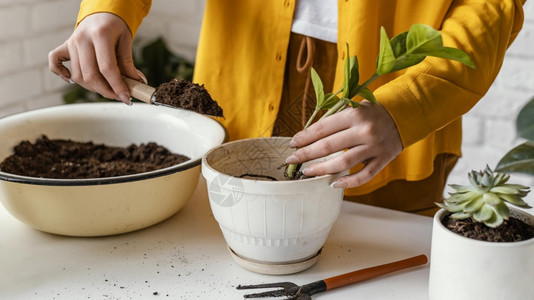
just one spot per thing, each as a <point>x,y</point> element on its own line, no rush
<point>333,110</point>
<point>318,109</point>
<point>339,106</point>
<point>368,81</point>
<point>315,112</point>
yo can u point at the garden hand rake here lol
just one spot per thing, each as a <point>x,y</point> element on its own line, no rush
<point>304,292</point>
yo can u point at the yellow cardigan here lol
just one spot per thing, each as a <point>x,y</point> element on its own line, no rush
<point>242,53</point>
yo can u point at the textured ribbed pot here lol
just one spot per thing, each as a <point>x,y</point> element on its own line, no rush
<point>463,268</point>
<point>273,222</point>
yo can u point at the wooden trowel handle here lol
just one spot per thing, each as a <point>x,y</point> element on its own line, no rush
<point>139,90</point>
<point>372,272</point>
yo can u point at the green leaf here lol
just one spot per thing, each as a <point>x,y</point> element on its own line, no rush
<point>455,208</point>
<point>515,200</point>
<point>519,160</point>
<point>461,188</point>
<point>398,44</point>
<point>406,61</point>
<point>354,76</point>
<point>455,198</point>
<point>492,199</point>
<point>474,205</point>
<point>421,41</point>
<point>486,179</point>
<point>402,59</point>
<point>516,186</point>
<point>472,179</point>
<point>73,95</point>
<point>502,210</point>
<point>501,178</point>
<point>504,190</point>
<point>525,121</point>
<point>494,221</point>
<point>318,87</point>
<point>367,94</point>
<point>161,65</point>
<point>441,205</point>
<point>386,58</point>
<point>346,75</point>
<point>451,53</point>
<point>354,104</point>
<point>522,193</point>
<point>484,214</point>
<point>423,38</point>
<point>460,215</point>
<point>330,100</point>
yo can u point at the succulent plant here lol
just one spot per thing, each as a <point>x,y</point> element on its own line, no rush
<point>484,200</point>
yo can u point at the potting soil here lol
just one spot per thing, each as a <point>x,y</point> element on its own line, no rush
<point>67,159</point>
<point>512,230</point>
<point>188,95</point>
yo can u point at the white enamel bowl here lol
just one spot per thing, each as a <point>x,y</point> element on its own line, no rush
<point>113,205</point>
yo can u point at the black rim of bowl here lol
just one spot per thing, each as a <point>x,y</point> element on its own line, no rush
<point>105,180</point>
<point>100,181</point>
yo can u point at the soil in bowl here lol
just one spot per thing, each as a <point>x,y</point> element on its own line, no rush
<point>67,159</point>
<point>512,230</point>
<point>188,95</point>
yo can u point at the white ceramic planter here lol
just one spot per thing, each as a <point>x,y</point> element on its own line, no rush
<point>270,222</point>
<point>463,268</point>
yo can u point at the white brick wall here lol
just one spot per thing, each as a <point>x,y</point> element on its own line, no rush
<point>29,29</point>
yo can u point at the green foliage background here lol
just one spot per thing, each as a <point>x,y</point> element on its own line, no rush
<point>521,158</point>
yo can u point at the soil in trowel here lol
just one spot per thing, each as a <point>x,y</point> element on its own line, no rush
<point>188,95</point>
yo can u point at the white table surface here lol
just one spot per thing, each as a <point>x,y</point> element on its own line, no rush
<point>185,257</point>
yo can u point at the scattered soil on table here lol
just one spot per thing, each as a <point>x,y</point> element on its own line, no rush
<point>188,95</point>
<point>512,230</point>
<point>67,159</point>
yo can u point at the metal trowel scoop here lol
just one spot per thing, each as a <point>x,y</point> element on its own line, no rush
<point>176,94</point>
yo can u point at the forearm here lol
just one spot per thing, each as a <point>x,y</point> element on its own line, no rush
<point>437,91</point>
<point>131,11</point>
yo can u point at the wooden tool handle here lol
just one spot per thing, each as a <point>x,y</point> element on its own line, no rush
<point>139,90</point>
<point>372,272</point>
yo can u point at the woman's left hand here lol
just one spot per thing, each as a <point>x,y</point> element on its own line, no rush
<point>368,133</point>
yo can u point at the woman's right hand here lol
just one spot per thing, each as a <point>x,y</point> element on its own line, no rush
<point>99,51</point>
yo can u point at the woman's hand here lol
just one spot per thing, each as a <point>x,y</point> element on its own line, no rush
<point>99,51</point>
<point>368,133</point>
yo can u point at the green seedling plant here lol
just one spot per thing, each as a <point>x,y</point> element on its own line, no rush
<point>485,199</point>
<point>402,51</point>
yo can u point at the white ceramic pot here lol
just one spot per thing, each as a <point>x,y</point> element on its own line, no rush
<point>463,268</point>
<point>113,205</point>
<point>271,222</point>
